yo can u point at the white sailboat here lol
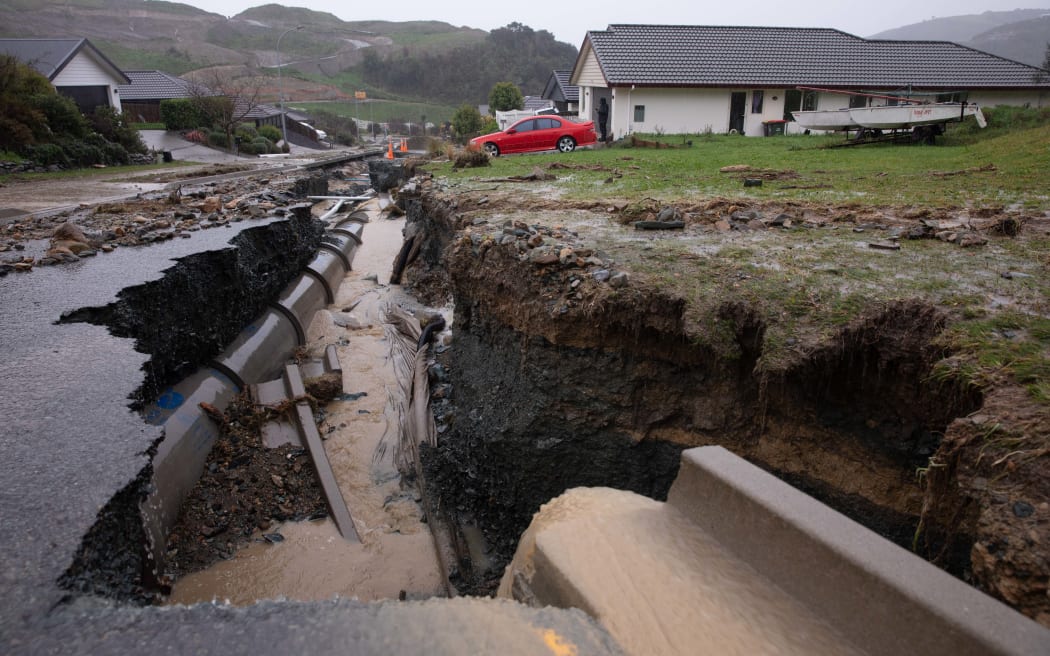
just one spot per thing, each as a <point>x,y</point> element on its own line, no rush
<point>894,117</point>
<point>825,119</point>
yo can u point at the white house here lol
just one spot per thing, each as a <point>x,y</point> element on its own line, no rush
<point>75,67</point>
<point>692,79</point>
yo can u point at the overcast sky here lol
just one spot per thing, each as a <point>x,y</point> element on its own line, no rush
<point>569,21</point>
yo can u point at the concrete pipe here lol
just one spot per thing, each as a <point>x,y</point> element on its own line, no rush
<point>357,216</point>
<point>349,229</point>
<point>188,437</point>
<point>259,351</point>
<point>330,269</point>
<point>342,243</point>
<point>300,300</point>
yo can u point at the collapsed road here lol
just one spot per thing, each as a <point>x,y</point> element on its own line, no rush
<point>564,370</point>
<point>77,454</point>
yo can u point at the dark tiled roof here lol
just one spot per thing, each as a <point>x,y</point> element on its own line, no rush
<point>678,55</point>
<point>558,88</point>
<point>258,111</point>
<point>534,103</point>
<point>155,85</point>
<point>50,56</point>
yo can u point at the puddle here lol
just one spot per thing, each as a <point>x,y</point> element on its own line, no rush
<point>396,557</point>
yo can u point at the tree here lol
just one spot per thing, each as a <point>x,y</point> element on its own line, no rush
<point>466,122</point>
<point>21,122</point>
<point>505,96</point>
<point>228,99</point>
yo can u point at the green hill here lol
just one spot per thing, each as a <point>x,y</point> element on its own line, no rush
<point>414,60</point>
<point>1021,34</point>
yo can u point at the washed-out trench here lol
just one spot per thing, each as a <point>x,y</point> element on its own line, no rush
<point>545,401</point>
<point>528,405</point>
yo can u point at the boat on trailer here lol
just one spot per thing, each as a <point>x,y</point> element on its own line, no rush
<point>834,120</point>
<point>924,120</point>
<point>899,117</point>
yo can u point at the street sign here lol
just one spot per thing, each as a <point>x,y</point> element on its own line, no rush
<point>360,95</point>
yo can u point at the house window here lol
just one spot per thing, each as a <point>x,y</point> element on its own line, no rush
<point>856,102</point>
<point>795,100</point>
<point>639,113</point>
<point>957,97</point>
<point>756,101</point>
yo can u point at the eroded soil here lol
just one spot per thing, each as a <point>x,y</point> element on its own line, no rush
<point>246,490</point>
<point>814,340</point>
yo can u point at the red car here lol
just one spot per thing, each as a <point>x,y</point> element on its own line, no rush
<point>538,133</point>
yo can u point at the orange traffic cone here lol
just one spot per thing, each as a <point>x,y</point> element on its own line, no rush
<point>390,150</point>
<point>404,146</point>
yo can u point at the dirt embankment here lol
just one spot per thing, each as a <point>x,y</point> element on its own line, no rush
<point>569,370</point>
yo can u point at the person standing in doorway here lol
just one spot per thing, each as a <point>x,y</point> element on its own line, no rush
<point>603,119</point>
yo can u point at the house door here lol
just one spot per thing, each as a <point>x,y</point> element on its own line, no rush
<point>737,104</point>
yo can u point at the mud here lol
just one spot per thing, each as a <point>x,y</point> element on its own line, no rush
<point>308,560</point>
<point>559,379</point>
<point>244,494</point>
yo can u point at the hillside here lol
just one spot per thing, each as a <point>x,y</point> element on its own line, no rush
<point>328,58</point>
<point>1021,34</point>
<point>1024,41</point>
<point>180,38</point>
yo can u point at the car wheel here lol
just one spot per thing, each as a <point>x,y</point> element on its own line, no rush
<point>566,144</point>
<point>492,149</point>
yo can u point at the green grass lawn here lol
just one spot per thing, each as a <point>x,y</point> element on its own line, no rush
<point>1017,170</point>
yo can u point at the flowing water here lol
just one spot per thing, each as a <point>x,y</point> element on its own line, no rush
<point>396,556</point>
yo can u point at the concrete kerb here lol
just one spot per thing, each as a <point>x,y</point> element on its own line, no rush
<point>738,561</point>
<point>883,598</point>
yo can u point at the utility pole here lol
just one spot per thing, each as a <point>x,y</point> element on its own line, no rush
<point>280,86</point>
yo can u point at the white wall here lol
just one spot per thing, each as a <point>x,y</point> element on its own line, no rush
<point>688,111</point>
<point>84,71</point>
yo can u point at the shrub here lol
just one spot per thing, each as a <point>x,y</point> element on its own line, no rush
<point>271,132</point>
<point>245,133</point>
<point>116,128</point>
<point>114,153</point>
<point>189,113</point>
<point>466,122</point>
<point>46,155</point>
<point>63,116</point>
<point>81,152</point>
<point>217,139</point>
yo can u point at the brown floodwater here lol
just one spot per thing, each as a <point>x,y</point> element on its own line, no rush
<point>396,556</point>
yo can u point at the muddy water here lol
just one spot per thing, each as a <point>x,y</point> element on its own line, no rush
<point>659,582</point>
<point>396,557</point>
